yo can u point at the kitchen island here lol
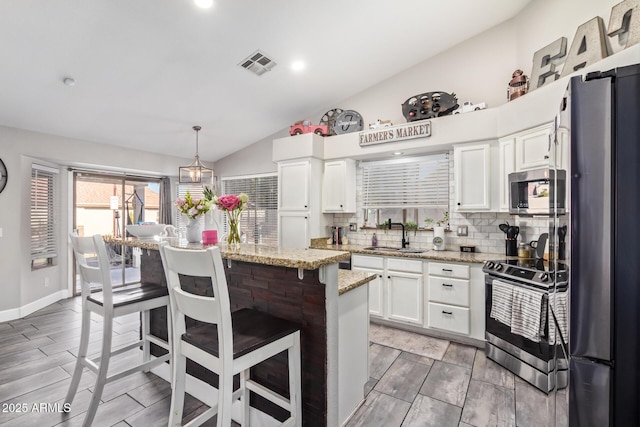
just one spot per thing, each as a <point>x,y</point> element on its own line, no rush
<point>304,286</point>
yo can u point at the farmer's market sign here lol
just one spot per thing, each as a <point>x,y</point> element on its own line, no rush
<point>419,129</point>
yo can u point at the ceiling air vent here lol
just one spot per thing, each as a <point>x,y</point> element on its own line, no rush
<point>258,63</point>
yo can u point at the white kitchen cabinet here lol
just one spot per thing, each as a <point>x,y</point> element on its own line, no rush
<point>293,184</point>
<point>472,170</point>
<point>532,147</point>
<point>456,301</point>
<point>397,291</point>
<point>294,229</point>
<point>405,296</point>
<point>339,186</point>
<point>300,215</point>
<point>507,165</point>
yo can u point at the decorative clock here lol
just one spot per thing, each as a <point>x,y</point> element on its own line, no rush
<point>348,121</point>
<point>3,176</point>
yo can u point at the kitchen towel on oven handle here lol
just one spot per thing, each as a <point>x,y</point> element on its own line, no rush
<point>558,305</point>
<point>501,301</point>
<point>526,313</point>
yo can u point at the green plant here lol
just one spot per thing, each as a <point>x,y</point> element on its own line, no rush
<point>410,225</point>
<point>444,220</point>
<point>384,225</point>
<point>428,222</point>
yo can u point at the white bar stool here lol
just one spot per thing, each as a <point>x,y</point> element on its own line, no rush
<point>110,304</point>
<point>225,343</point>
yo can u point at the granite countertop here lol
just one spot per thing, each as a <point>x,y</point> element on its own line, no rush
<point>449,256</point>
<point>349,280</point>
<point>308,259</point>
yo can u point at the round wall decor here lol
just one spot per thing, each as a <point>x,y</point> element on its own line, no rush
<point>3,176</point>
<point>348,121</point>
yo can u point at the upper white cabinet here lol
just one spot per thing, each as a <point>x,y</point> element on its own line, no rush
<point>532,147</point>
<point>507,165</point>
<point>472,169</point>
<point>293,185</point>
<point>339,186</point>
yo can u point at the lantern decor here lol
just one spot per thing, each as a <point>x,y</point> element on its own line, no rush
<point>518,86</point>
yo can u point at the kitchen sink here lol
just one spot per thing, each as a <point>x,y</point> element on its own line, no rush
<point>398,250</point>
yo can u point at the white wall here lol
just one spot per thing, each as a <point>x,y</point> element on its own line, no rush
<point>19,285</point>
<point>477,70</point>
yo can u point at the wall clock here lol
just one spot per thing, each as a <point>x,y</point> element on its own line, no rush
<point>3,175</point>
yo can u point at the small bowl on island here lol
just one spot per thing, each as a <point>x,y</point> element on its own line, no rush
<point>146,231</point>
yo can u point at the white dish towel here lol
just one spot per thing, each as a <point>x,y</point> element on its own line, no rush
<point>526,313</point>
<point>559,303</point>
<point>501,297</point>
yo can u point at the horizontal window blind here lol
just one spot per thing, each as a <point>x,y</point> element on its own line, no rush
<point>197,192</point>
<point>260,220</point>
<point>406,183</point>
<point>43,214</point>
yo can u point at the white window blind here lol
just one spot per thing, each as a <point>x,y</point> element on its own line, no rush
<point>260,220</point>
<point>43,215</point>
<point>196,191</point>
<point>406,183</point>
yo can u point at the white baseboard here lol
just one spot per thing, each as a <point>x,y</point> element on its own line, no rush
<point>32,307</point>
<point>209,395</point>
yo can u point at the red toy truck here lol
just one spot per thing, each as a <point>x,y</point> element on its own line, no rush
<point>305,126</point>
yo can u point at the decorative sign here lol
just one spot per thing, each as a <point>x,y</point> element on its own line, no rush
<point>419,129</point>
<point>347,121</point>
<point>589,44</point>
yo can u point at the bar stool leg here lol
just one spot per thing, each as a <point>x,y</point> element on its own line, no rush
<point>225,394</point>
<point>101,379</point>
<point>179,371</point>
<point>85,330</point>
<point>245,397</point>
<point>145,320</point>
<point>295,380</point>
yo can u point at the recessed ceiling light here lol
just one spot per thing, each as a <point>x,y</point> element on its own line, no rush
<point>69,81</point>
<point>204,4</point>
<point>297,66</point>
<point>397,153</point>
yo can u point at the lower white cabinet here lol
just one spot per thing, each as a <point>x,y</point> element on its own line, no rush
<point>405,296</point>
<point>293,229</point>
<point>447,297</point>
<point>397,291</point>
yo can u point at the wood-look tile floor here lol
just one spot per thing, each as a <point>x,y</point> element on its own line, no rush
<point>415,380</point>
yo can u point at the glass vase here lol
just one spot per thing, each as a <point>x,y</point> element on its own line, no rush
<point>233,221</point>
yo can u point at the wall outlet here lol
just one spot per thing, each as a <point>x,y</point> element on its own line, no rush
<point>353,226</point>
<point>46,282</point>
<point>463,230</point>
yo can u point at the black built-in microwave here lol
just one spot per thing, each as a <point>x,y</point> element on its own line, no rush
<point>534,192</point>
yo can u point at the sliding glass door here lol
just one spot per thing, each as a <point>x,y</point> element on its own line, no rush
<point>104,204</point>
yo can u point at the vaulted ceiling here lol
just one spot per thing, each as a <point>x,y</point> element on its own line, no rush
<point>145,71</point>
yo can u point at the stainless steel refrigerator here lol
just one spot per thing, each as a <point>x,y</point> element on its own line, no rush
<point>602,116</point>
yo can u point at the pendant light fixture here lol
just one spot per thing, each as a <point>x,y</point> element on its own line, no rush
<point>196,172</point>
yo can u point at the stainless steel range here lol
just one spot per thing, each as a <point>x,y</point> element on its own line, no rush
<point>526,319</point>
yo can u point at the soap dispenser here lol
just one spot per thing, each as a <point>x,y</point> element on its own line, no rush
<point>374,240</point>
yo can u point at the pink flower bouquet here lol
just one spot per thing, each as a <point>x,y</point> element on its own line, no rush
<point>191,207</point>
<point>233,205</point>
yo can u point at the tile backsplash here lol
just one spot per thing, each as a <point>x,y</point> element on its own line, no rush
<point>483,231</point>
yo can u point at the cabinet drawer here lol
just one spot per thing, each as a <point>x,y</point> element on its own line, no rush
<point>408,265</point>
<point>450,318</point>
<point>449,270</point>
<point>364,261</point>
<point>449,291</point>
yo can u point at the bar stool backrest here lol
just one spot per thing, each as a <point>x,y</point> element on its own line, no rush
<point>88,250</point>
<point>215,310</point>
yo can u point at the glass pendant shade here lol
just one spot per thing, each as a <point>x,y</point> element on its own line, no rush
<point>196,172</point>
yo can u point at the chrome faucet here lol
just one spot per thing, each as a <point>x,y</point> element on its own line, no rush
<point>404,241</point>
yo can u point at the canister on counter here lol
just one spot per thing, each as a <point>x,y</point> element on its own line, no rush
<point>524,251</point>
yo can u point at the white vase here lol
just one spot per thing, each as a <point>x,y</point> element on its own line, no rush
<point>194,230</point>
<point>439,240</point>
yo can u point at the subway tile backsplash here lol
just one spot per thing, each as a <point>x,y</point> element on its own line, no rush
<point>483,231</point>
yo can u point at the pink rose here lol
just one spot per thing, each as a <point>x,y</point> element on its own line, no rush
<point>229,202</point>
